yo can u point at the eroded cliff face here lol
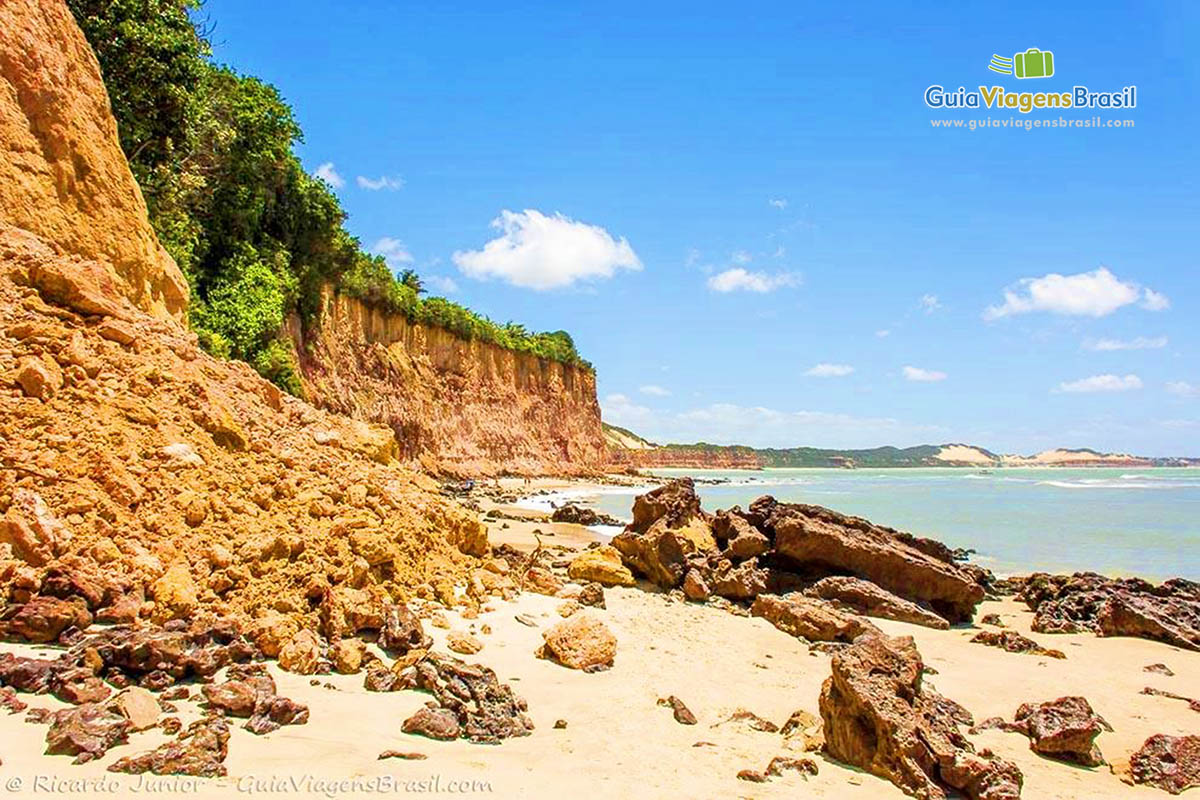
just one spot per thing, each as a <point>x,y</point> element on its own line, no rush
<point>459,407</point>
<point>63,176</point>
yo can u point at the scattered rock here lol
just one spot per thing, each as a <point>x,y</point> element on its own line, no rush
<point>569,608</point>
<point>805,727</point>
<point>435,723</point>
<point>542,581</point>
<point>402,755</point>
<point>992,619</point>
<point>484,709</point>
<point>581,515</point>
<point>302,654</point>
<point>43,619</point>
<point>580,642</point>
<point>1170,763</point>
<point>592,594</point>
<point>560,724</point>
<point>1192,703</point>
<point>780,764</point>
<point>1014,642</point>
<point>695,588</point>
<point>683,714</point>
<point>526,620</point>
<point>753,776</point>
<point>463,643</point>
<point>138,706</point>
<point>750,720</point>
<point>347,655</point>
<point>1161,669</point>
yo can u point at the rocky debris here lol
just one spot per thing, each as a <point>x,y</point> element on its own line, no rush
<point>600,565</point>
<point>86,731</point>
<point>1014,642</point>
<point>199,751</point>
<point>580,642</point>
<point>560,724</point>
<point>991,619</point>
<point>464,643</point>
<point>33,675</point>
<point>751,720</point>
<point>43,619</point>
<point>10,702</point>
<point>668,527</point>
<point>402,631</point>
<point>1065,729</point>
<point>864,597</point>
<point>1170,763</point>
<point>347,655</point>
<point>1161,669</point>
<point>878,716</point>
<point>1193,704</point>
<point>406,756</point>
<point>32,531</point>
<point>781,764</point>
<point>581,515</point>
<point>592,594</point>
<point>1086,602</point>
<point>302,654</point>
<point>165,655</point>
<point>805,727</point>
<point>695,588</point>
<point>751,775</point>
<point>683,715</point>
<point>542,581</point>
<point>568,608</point>
<point>809,618</point>
<point>483,709</point>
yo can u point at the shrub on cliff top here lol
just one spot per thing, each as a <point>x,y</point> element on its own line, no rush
<point>256,236</point>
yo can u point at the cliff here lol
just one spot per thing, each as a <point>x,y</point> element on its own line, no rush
<point>460,407</point>
<point>63,176</point>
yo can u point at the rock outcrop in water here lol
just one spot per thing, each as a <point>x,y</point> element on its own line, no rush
<point>776,548</point>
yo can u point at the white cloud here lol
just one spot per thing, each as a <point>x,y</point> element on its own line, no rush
<point>778,202</point>
<point>443,284</point>
<point>1091,294</point>
<point>1101,383</point>
<point>394,251</point>
<point>382,182</point>
<point>724,423</point>
<point>536,251</point>
<point>829,371</point>
<point>1183,388</point>
<point>883,333</point>
<point>929,303</point>
<point>1138,343</point>
<point>1155,301</point>
<point>923,375</point>
<point>327,173</point>
<point>656,391</point>
<point>740,257</point>
<point>738,279</point>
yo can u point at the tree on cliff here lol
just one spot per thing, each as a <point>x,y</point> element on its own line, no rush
<point>256,236</point>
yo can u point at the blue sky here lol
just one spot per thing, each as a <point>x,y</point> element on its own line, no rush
<point>722,197</point>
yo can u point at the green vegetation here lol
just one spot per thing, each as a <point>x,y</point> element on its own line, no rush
<point>256,236</point>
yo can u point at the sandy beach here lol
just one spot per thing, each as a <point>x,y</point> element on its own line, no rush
<point>617,740</point>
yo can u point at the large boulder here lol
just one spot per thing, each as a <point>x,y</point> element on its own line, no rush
<point>818,540</point>
<point>1170,763</point>
<point>870,600</point>
<point>668,527</point>
<point>810,618</point>
<point>580,642</point>
<point>63,176</point>
<point>600,565</point>
<point>878,716</point>
<point>1065,729</point>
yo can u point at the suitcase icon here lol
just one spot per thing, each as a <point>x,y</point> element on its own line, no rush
<point>1034,63</point>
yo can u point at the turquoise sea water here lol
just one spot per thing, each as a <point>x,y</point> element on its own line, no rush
<point>1115,521</point>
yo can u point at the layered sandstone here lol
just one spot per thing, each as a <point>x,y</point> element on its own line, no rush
<point>63,176</point>
<point>457,406</point>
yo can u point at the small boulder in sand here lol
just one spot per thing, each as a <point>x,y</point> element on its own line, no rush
<point>580,642</point>
<point>435,723</point>
<point>592,595</point>
<point>602,565</point>
<point>1013,642</point>
<point>463,643</point>
<point>138,706</point>
<point>347,655</point>
<point>683,714</point>
<point>1065,729</point>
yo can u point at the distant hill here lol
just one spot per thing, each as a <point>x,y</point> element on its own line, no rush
<point>627,448</point>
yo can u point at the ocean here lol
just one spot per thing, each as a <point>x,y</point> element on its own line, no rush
<point>1115,521</point>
